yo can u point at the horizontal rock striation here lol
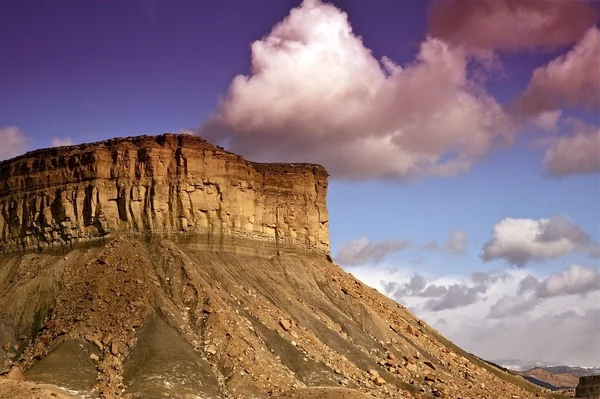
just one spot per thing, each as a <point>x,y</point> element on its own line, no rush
<point>589,387</point>
<point>158,185</point>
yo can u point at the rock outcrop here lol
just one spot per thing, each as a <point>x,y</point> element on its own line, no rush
<point>159,185</point>
<point>208,280</point>
<point>588,387</point>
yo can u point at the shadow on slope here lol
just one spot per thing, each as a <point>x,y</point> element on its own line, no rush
<point>163,364</point>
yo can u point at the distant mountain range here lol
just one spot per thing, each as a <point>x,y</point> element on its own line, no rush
<point>521,365</point>
<point>524,365</point>
<point>547,375</point>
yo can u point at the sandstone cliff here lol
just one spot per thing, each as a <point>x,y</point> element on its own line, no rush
<point>158,185</point>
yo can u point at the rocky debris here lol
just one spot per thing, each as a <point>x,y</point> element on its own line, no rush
<point>114,348</point>
<point>15,374</point>
<point>285,324</point>
<point>379,381</point>
<point>96,306</point>
<point>212,349</point>
<point>429,364</point>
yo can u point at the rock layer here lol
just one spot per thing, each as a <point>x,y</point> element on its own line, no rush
<point>158,185</point>
<point>589,387</point>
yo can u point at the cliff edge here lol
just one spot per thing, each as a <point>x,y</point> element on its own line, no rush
<point>158,185</point>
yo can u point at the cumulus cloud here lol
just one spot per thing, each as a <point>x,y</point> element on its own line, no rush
<point>455,245</point>
<point>510,25</point>
<point>575,280</point>
<point>548,120</point>
<point>457,242</point>
<point>13,142</point>
<point>416,286</point>
<point>529,283</point>
<point>442,296</point>
<point>511,306</point>
<point>317,94</point>
<point>361,251</point>
<point>396,290</point>
<point>569,80</point>
<point>457,295</point>
<point>61,141</point>
<point>519,241</point>
<point>488,278</point>
<point>576,153</point>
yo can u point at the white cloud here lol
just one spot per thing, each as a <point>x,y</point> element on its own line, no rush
<point>363,251</point>
<point>578,152</point>
<point>416,286</point>
<point>576,279</point>
<point>13,142</point>
<point>441,293</point>
<point>503,321</point>
<point>519,241</point>
<point>456,296</point>
<point>548,120</point>
<point>529,283</point>
<point>317,94</point>
<point>511,306</point>
<point>61,141</point>
<point>569,80</point>
<point>456,244</point>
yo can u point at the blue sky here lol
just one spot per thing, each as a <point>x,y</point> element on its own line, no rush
<point>78,72</point>
<point>430,209</point>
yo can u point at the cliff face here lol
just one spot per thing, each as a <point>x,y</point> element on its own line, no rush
<point>589,387</point>
<point>159,185</point>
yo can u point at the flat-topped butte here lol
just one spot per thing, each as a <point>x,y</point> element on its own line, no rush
<point>158,185</point>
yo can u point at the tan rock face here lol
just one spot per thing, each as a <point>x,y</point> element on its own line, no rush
<point>158,185</point>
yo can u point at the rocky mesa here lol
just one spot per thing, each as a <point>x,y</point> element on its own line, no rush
<point>153,267</point>
<point>161,185</point>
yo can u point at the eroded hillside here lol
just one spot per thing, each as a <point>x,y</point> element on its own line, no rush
<point>227,295</point>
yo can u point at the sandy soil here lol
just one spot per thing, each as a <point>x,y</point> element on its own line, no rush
<point>10,389</point>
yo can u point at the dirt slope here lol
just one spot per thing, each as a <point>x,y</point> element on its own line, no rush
<point>148,319</point>
<point>29,390</point>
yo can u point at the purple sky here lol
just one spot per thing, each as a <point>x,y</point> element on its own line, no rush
<point>95,69</point>
<point>462,79</point>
